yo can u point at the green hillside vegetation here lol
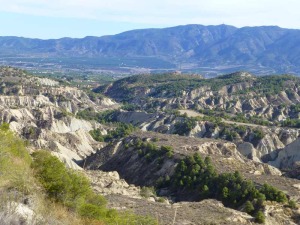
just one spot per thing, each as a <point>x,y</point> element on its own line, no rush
<point>197,176</point>
<point>193,174</point>
<point>291,123</point>
<point>174,85</point>
<point>101,117</point>
<point>63,194</point>
<point>73,190</point>
<point>15,163</point>
<point>121,130</point>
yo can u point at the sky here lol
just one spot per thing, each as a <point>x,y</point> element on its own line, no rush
<point>48,19</point>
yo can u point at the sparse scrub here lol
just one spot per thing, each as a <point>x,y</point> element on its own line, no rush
<point>147,192</point>
<point>14,162</point>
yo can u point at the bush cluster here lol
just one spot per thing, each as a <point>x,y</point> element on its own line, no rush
<point>198,176</point>
<point>122,130</point>
<point>291,123</point>
<point>72,189</point>
<point>151,151</point>
<point>103,117</point>
<point>184,126</point>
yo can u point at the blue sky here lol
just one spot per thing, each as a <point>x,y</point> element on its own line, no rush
<point>78,18</point>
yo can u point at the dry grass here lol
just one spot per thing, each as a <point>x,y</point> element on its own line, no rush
<point>22,199</point>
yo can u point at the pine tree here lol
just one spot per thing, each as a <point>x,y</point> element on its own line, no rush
<point>260,217</point>
<point>249,208</point>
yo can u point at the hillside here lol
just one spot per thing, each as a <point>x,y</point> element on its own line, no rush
<point>259,114</point>
<point>43,111</point>
<point>209,49</point>
<point>159,148</point>
<point>273,98</point>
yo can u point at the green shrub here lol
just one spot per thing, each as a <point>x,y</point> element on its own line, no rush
<point>292,204</point>
<point>97,135</point>
<point>199,178</point>
<point>73,189</point>
<point>122,130</point>
<point>103,117</point>
<point>151,152</point>
<point>147,192</point>
<point>260,217</point>
<point>273,194</point>
<point>52,174</point>
<point>95,199</point>
<point>185,126</point>
<point>92,211</point>
<point>61,184</point>
<point>249,208</point>
<point>258,134</point>
<point>4,127</point>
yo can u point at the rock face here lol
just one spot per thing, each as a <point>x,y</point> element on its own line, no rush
<point>43,112</point>
<point>276,214</point>
<point>108,183</point>
<point>67,136</point>
<point>264,149</point>
<point>288,158</point>
<point>248,150</point>
<point>270,97</point>
<point>17,213</point>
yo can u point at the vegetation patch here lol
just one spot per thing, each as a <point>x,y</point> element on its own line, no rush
<point>69,196</point>
<point>122,130</point>
<point>103,117</point>
<point>196,176</point>
<point>72,189</point>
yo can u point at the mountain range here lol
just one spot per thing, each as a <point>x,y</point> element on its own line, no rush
<point>267,49</point>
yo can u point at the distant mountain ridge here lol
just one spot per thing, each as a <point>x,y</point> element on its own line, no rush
<point>214,46</point>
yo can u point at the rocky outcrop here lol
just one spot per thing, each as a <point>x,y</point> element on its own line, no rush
<point>43,112</point>
<point>247,149</point>
<point>108,183</point>
<point>288,157</point>
<point>264,149</point>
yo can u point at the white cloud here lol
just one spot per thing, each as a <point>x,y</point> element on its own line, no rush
<point>166,12</point>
